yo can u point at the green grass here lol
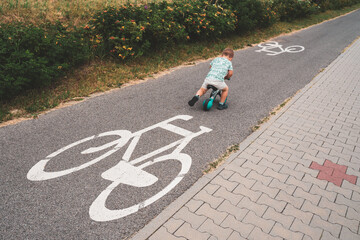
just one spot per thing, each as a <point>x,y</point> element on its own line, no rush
<point>103,74</point>
<point>215,164</point>
<point>76,12</point>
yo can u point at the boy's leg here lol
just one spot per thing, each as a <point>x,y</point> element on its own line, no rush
<point>199,93</point>
<point>224,94</point>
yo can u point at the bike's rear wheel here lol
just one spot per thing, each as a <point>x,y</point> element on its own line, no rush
<point>207,104</point>
<point>100,213</point>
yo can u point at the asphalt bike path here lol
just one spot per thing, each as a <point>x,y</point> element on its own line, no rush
<point>297,177</point>
<point>103,168</point>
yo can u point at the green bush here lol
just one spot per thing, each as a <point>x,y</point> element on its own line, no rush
<point>203,20</point>
<point>334,4</point>
<point>251,14</point>
<point>33,57</point>
<point>290,10</point>
<point>133,30</point>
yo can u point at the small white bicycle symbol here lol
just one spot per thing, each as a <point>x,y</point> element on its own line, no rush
<point>273,48</point>
<point>125,172</point>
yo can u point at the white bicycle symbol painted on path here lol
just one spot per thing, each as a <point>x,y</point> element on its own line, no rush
<point>273,48</point>
<point>127,171</point>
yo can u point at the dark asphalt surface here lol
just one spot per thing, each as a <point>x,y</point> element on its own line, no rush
<point>59,208</point>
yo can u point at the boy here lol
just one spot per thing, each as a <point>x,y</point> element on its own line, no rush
<point>221,68</point>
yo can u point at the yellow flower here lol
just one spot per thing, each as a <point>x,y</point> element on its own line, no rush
<point>59,67</point>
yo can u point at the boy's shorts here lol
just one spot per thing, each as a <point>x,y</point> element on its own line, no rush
<point>216,83</point>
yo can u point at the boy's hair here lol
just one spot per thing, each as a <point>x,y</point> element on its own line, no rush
<point>228,52</point>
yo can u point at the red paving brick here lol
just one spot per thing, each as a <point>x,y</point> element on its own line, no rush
<point>333,172</point>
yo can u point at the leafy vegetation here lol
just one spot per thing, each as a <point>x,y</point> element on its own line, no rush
<point>45,64</point>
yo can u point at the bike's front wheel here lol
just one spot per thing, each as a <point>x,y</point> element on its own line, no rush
<point>294,49</point>
<point>100,213</point>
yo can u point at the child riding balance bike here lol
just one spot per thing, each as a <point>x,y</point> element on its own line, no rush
<point>221,68</point>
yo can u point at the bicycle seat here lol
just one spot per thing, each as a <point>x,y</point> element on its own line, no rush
<point>212,87</point>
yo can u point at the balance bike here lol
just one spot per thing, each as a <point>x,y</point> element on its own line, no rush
<point>208,103</point>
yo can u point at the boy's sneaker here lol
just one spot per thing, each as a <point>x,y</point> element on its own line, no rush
<point>222,106</point>
<point>193,101</point>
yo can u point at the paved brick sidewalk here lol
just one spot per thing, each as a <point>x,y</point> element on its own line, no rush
<point>296,178</point>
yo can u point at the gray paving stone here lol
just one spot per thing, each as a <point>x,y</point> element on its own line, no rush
<point>347,234</point>
<point>258,209</point>
<point>244,191</point>
<point>324,213</point>
<point>347,202</point>
<point>173,224</point>
<point>305,217</point>
<point>271,202</point>
<point>308,196</point>
<point>284,162</point>
<point>265,224</point>
<point>295,201</point>
<point>258,168</point>
<point>208,198</point>
<point>304,185</point>
<point>324,193</point>
<point>273,145</point>
<point>343,191</point>
<point>312,158</point>
<point>239,161</point>
<point>285,220</point>
<point>272,192</point>
<point>226,174</point>
<point>248,183</point>
<point>271,173</point>
<point>273,166</point>
<point>265,155</point>
<point>353,214</point>
<point>207,211</point>
<point>219,232</point>
<point>327,236</point>
<point>289,189</point>
<point>211,188</point>
<point>191,234</point>
<point>291,172</point>
<point>235,236</point>
<point>265,180</point>
<point>353,225</point>
<point>340,209</point>
<point>315,181</point>
<point>162,234</point>
<point>241,227</point>
<point>229,185</point>
<point>237,169</point>
<point>313,232</point>
<point>185,215</point>
<point>334,229</point>
<point>279,230</point>
<point>257,234</point>
<point>232,197</point>
<point>237,212</point>
<point>311,172</point>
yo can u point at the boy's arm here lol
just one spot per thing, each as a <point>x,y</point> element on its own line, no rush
<point>229,75</point>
